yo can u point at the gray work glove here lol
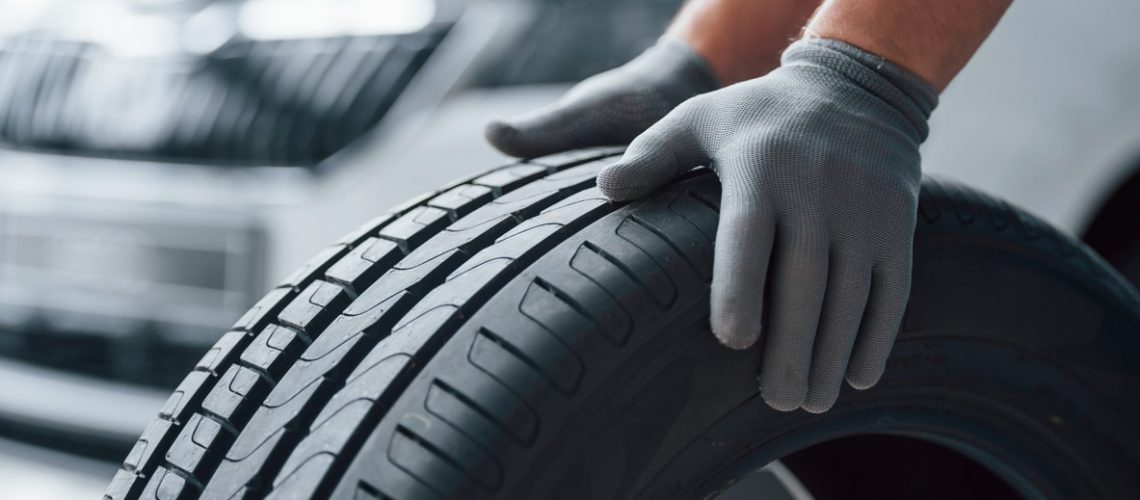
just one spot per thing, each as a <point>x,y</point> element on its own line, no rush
<point>612,107</point>
<point>819,166</point>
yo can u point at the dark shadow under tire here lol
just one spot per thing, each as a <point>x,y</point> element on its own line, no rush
<point>517,336</point>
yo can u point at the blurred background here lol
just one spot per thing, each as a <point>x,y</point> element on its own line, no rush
<point>165,162</point>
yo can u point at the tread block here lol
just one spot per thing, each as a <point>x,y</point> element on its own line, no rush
<point>507,179</point>
<point>370,228</point>
<point>415,227</point>
<point>124,485</point>
<point>527,235</point>
<point>456,291</point>
<point>186,396</point>
<point>154,439</point>
<point>264,310</point>
<point>528,200</point>
<point>462,200</point>
<point>236,395</point>
<point>585,173</point>
<point>314,308</point>
<point>448,243</point>
<point>273,350</point>
<point>221,354</point>
<point>199,446</point>
<point>167,485</point>
<point>413,203</point>
<point>365,263</point>
<point>346,328</point>
<point>570,158</point>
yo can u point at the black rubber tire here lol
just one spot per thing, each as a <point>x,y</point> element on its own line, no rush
<point>517,336</point>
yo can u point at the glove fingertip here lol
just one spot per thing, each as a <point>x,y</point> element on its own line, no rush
<point>634,176</point>
<point>733,324</point>
<point>863,379</point>
<point>815,408</point>
<point>505,137</point>
<point>733,335</point>
<point>782,402</point>
<point>738,342</point>
<point>616,183</point>
<point>820,401</point>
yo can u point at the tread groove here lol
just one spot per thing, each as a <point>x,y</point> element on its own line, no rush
<point>664,238</point>
<point>608,257</point>
<point>430,306</point>
<point>702,199</point>
<point>523,358</point>
<point>570,302</point>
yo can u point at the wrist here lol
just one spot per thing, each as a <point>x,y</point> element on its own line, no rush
<point>933,40</point>
<point>736,50</point>
<point>885,48</point>
<point>682,60</point>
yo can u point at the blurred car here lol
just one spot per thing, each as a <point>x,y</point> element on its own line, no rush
<point>164,162</point>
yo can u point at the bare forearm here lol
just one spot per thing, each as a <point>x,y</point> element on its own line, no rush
<point>934,40</point>
<point>741,39</point>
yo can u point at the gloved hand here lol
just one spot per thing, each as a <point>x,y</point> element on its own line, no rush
<point>612,107</point>
<point>819,166</point>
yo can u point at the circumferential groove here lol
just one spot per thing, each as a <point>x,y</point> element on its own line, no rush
<point>222,421</point>
<point>296,331</point>
<point>186,475</point>
<point>258,370</point>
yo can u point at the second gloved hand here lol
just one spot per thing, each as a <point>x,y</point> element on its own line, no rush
<point>610,108</point>
<point>819,167</point>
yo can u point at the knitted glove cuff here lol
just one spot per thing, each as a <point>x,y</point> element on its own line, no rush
<point>903,90</point>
